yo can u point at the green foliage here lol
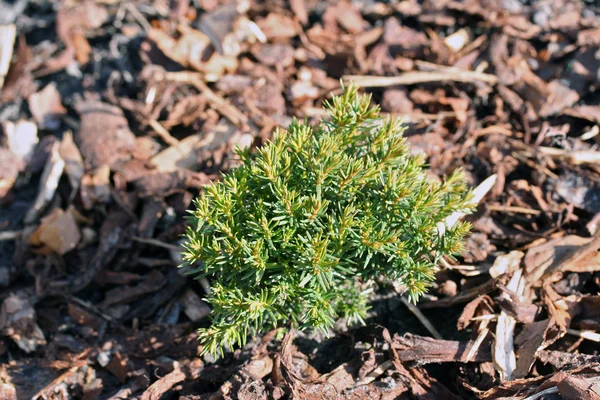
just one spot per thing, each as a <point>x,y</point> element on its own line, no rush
<point>290,235</point>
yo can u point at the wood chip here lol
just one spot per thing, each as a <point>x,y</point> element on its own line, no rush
<point>18,321</point>
<point>46,107</point>
<point>58,232</point>
<point>48,183</point>
<point>7,42</point>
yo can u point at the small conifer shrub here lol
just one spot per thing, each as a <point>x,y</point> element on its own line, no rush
<point>292,234</point>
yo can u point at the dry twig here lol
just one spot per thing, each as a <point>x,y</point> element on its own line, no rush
<point>415,77</point>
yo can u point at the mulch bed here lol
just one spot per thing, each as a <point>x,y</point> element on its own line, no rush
<point>115,114</point>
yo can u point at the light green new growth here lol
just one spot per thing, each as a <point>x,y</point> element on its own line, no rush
<point>290,235</point>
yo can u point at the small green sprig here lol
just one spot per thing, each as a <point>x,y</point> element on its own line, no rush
<point>291,235</point>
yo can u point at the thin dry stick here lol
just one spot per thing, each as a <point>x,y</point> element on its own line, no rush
<point>9,235</point>
<point>157,243</point>
<point>477,344</point>
<point>471,46</point>
<point>220,104</point>
<point>576,157</point>
<point>467,269</point>
<point>523,156</point>
<point>463,297</point>
<point>225,108</point>
<point>431,67</point>
<point>422,318</point>
<point>512,209</point>
<point>163,133</point>
<point>487,317</point>
<point>418,117</point>
<point>90,307</point>
<point>137,15</point>
<point>412,78</point>
<point>589,335</point>
<point>376,373</point>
